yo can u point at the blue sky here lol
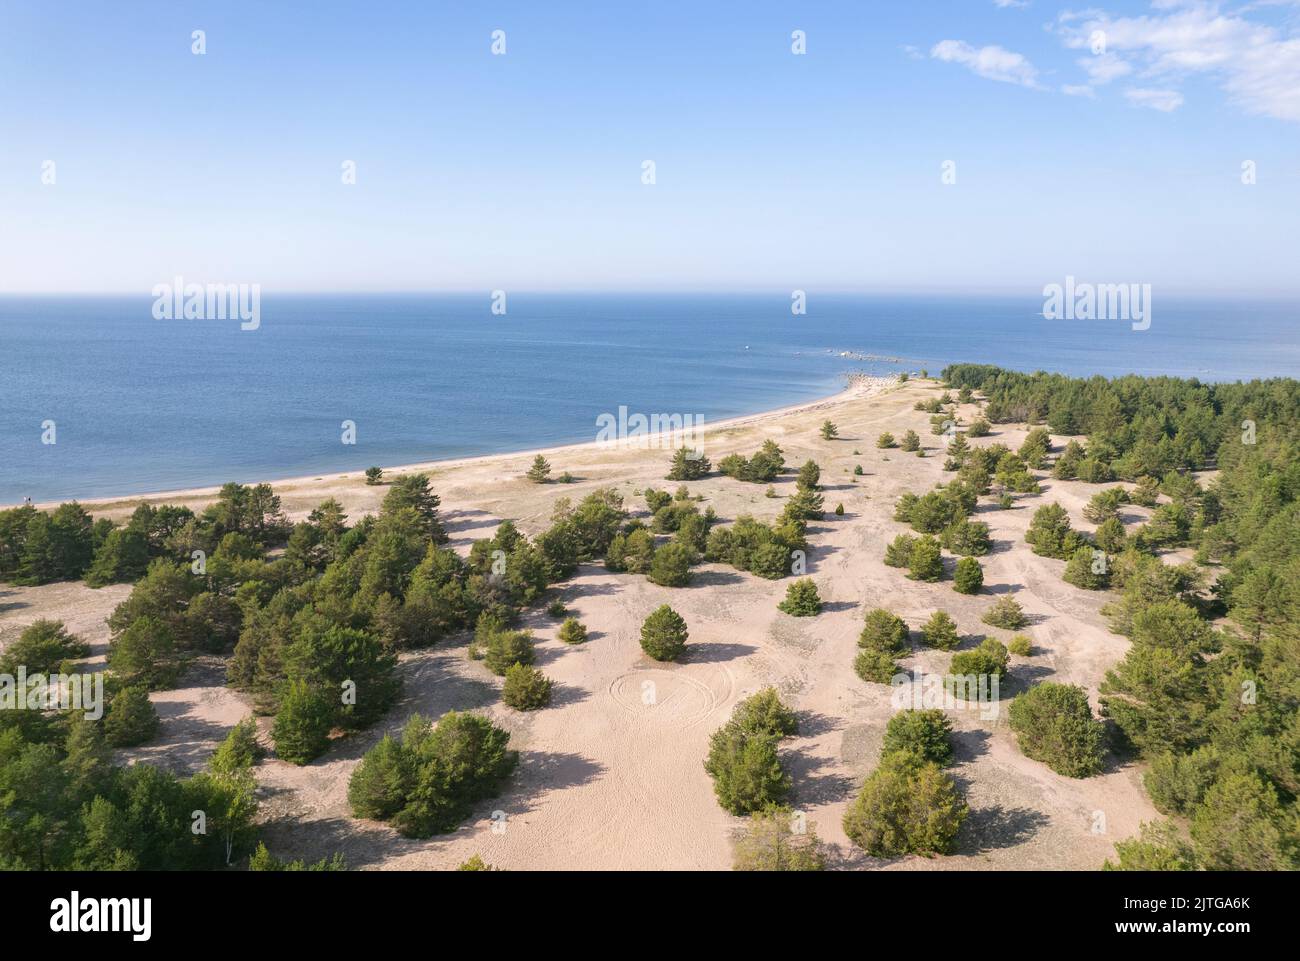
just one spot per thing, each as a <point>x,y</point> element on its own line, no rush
<point>773,171</point>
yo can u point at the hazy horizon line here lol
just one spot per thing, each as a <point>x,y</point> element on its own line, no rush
<point>999,291</point>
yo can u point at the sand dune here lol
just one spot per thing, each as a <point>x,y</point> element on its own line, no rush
<point>607,780</point>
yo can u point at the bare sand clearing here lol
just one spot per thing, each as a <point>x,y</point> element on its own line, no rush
<point>612,777</point>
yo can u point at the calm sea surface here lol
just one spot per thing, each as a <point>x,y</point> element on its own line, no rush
<point>142,405</point>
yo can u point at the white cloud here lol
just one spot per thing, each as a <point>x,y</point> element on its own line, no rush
<point>1105,67</point>
<point>991,62</point>
<point>1257,66</point>
<point>1077,90</point>
<point>1004,4</point>
<point>1165,101</point>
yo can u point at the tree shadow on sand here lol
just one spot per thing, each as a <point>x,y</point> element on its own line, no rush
<point>186,742</point>
<point>563,695</point>
<point>11,605</point>
<point>460,524</point>
<point>555,770</point>
<point>830,607</point>
<point>705,578</point>
<point>1022,677</point>
<point>813,724</point>
<point>716,652</point>
<point>576,592</point>
<point>994,827</point>
<point>811,787</point>
<point>968,745</point>
<point>818,556</point>
<point>363,844</point>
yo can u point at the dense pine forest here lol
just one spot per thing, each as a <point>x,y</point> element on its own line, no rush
<point>1209,692</point>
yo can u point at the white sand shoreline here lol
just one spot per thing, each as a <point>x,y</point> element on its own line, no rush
<point>859,386</point>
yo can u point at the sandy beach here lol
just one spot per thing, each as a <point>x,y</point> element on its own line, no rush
<point>608,782</point>
<point>857,386</point>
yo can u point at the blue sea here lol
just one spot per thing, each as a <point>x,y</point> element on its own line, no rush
<point>140,404</point>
